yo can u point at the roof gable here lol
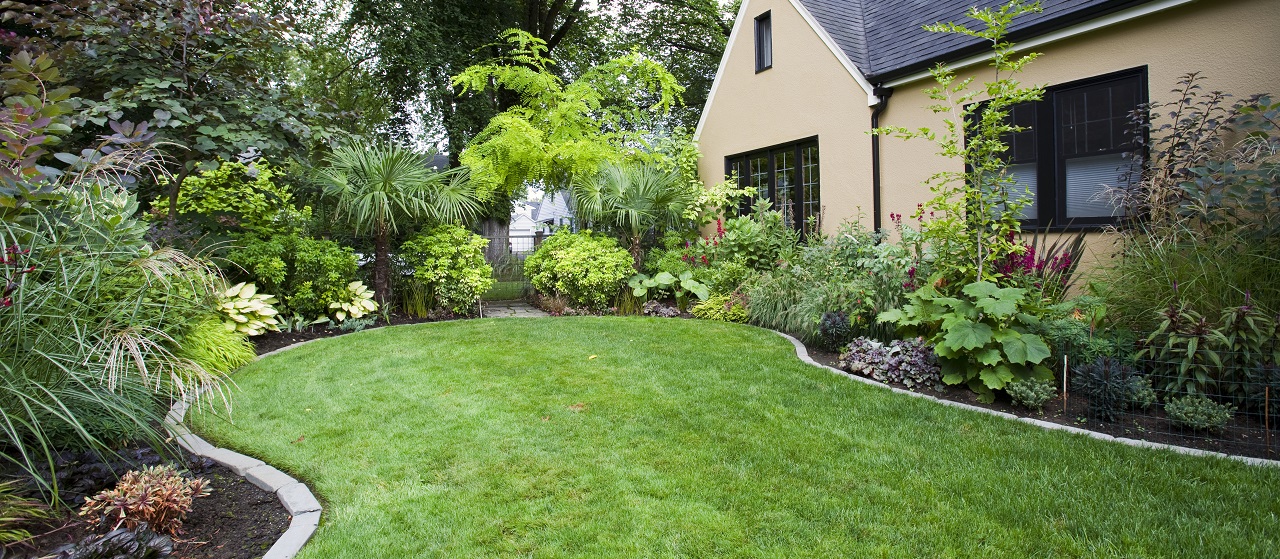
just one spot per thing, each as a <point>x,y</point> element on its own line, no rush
<point>886,39</point>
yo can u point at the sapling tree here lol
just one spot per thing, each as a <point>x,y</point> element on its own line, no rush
<point>973,215</point>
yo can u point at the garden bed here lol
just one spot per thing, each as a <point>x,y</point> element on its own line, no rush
<point>237,520</point>
<point>1241,437</point>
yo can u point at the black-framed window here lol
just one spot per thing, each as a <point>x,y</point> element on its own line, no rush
<point>1071,149</point>
<point>764,42</point>
<point>787,175</point>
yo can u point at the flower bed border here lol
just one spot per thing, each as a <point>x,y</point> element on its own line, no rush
<point>296,497</point>
<point>803,354</point>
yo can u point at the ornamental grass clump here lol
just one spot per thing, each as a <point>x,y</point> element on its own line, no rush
<point>158,496</point>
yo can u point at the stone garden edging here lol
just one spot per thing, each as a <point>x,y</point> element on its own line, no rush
<point>296,497</point>
<point>803,354</point>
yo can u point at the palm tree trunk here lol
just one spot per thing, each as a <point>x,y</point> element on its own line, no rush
<point>382,266</point>
<point>637,253</point>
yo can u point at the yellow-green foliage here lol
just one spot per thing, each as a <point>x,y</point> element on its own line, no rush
<point>215,348</point>
<point>244,193</point>
<point>720,307</point>
<point>247,311</point>
<point>586,268</point>
<point>308,274</point>
<point>448,264</point>
<point>561,130</point>
<point>356,302</point>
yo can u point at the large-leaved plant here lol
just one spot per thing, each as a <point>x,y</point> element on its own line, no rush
<point>982,336</point>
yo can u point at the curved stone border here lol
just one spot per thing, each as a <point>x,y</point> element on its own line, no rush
<point>296,497</point>
<point>803,353</point>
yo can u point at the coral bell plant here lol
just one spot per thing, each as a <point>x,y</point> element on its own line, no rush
<point>156,495</point>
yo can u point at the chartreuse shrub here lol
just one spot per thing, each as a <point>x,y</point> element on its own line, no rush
<point>236,196</point>
<point>724,308</point>
<point>215,348</point>
<point>449,270</point>
<point>307,275</point>
<point>586,268</point>
<point>982,337</point>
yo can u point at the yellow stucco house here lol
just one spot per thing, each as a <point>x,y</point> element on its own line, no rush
<point>802,81</point>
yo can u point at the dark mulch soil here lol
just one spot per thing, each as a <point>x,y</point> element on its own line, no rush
<point>235,521</point>
<point>1243,436</point>
<point>272,341</point>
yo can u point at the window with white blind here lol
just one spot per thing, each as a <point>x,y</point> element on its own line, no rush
<point>1071,149</point>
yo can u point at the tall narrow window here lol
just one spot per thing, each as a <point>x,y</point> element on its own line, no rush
<point>764,42</point>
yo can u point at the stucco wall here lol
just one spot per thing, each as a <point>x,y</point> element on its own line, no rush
<point>808,92</point>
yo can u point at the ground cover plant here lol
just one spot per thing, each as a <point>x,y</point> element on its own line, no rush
<point>621,437</point>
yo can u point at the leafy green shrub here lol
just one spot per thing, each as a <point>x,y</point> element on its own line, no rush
<point>586,268</point>
<point>1193,355</point>
<point>246,311</point>
<point>1109,384</point>
<point>306,274</point>
<point>725,277</point>
<point>852,273</point>
<point>1198,412</point>
<point>1032,393</point>
<point>1143,395</point>
<point>724,308</point>
<point>1076,329</point>
<point>236,196</point>
<point>157,496</point>
<point>449,270</point>
<point>982,338</point>
<point>215,348</point>
<point>910,362</point>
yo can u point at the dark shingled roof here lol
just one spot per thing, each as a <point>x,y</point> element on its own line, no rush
<point>885,39</point>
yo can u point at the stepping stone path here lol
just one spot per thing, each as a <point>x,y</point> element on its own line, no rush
<point>511,309</point>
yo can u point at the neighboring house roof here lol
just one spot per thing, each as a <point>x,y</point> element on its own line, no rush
<point>886,39</point>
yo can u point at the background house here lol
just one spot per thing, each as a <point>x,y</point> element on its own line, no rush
<point>802,80</point>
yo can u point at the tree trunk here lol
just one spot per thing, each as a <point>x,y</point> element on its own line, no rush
<point>637,254</point>
<point>382,267</point>
<point>175,187</point>
<point>498,231</point>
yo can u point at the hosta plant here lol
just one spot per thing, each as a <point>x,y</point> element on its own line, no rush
<point>158,496</point>
<point>982,337</point>
<point>247,311</point>
<point>357,303</point>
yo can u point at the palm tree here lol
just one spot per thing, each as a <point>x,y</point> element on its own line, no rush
<point>381,186</point>
<point>632,200</point>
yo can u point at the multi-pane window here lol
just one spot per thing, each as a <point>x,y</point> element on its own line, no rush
<point>764,42</point>
<point>1071,149</point>
<point>786,175</point>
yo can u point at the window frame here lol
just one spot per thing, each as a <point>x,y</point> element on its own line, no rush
<point>1051,161</point>
<point>798,191</point>
<point>764,30</point>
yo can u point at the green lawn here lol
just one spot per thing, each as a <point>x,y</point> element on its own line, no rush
<point>628,437</point>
